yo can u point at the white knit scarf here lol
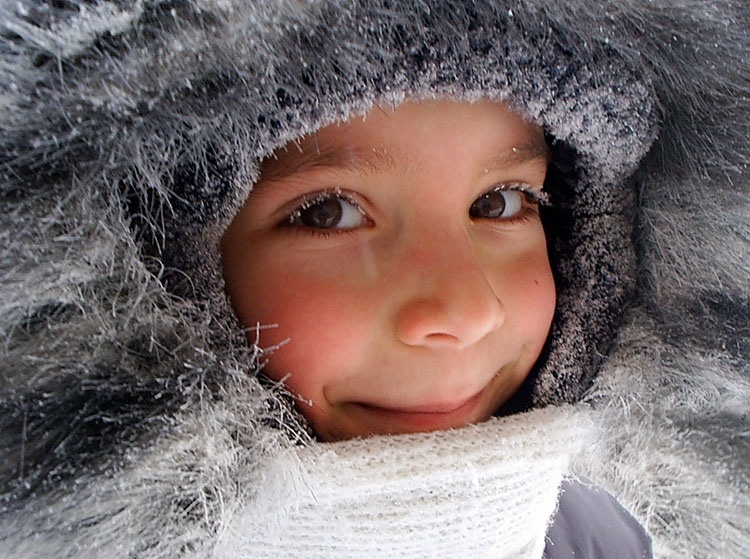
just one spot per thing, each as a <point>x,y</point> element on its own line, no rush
<point>485,491</point>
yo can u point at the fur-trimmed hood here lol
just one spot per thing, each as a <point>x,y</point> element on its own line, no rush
<point>130,133</point>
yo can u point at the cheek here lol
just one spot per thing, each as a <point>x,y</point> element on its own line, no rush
<point>539,300</point>
<point>530,298</point>
<point>317,326</point>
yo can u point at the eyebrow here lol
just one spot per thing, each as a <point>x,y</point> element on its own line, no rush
<point>528,151</point>
<point>331,156</point>
<point>358,159</point>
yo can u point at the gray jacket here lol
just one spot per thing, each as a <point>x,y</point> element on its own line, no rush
<point>590,523</point>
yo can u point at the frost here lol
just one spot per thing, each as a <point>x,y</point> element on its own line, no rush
<point>68,37</point>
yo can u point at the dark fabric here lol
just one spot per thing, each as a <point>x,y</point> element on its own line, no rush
<point>591,524</point>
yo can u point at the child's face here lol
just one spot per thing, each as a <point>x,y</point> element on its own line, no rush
<point>405,270</point>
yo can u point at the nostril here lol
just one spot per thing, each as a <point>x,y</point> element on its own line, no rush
<point>423,321</point>
<point>443,321</point>
<point>441,339</point>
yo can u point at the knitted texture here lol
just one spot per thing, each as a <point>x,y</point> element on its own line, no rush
<point>485,491</point>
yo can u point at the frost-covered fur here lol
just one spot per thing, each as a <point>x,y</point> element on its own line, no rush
<point>130,131</point>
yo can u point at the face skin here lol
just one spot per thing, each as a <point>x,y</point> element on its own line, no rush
<point>405,298</point>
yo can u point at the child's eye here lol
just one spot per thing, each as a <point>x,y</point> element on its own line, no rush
<point>328,210</point>
<point>502,202</point>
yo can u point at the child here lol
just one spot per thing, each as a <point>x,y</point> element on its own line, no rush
<point>138,167</point>
<point>417,290</point>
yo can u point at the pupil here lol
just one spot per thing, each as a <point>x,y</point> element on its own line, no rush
<point>491,204</point>
<point>322,215</point>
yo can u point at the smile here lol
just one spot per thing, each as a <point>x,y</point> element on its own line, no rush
<point>424,417</point>
<point>435,408</point>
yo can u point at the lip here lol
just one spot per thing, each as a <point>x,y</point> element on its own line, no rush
<point>423,417</point>
<point>434,408</point>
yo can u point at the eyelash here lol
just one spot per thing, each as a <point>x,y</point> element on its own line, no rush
<point>532,195</point>
<point>291,219</point>
<point>533,198</point>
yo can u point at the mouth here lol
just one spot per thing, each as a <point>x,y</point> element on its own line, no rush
<point>438,408</point>
<point>423,417</point>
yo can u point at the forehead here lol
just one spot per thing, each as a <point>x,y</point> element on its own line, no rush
<point>387,139</point>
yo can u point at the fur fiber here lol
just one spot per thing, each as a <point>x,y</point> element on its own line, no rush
<point>131,424</point>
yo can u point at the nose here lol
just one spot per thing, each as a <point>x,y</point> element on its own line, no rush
<point>451,301</point>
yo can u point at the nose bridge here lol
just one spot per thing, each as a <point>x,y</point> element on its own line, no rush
<point>447,252</point>
<point>451,299</point>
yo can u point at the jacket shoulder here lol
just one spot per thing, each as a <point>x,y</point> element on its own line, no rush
<point>591,523</point>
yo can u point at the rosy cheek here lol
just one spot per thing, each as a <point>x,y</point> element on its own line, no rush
<point>532,300</point>
<point>319,335</point>
<point>542,299</point>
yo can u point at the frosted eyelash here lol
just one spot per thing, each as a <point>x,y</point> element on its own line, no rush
<point>308,202</point>
<point>537,196</point>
